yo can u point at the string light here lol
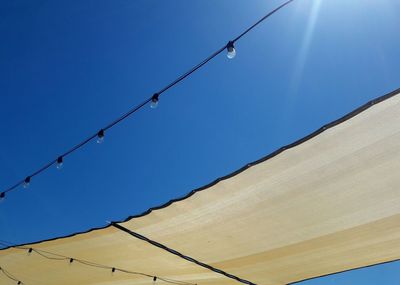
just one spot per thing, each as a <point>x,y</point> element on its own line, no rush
<point>231,52</point>
<point>27,181</point>
<point>100,136</point>
<point>60,162</point>
<point>58,257</point>
<point>154,101</point>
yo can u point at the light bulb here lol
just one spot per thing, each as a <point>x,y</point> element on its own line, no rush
<point>27,181</point>
<point>2,196</point>
<point>154,101</point>
<point>231,50</point>
<point>60,162</point>
<point>231,53</point>
<point>100,136</point>
<point>153,104</point>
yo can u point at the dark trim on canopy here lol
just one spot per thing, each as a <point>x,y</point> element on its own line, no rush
<point>181,255</point>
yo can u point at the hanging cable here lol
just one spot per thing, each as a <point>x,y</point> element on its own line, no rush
<point>261,20</point>
<point>153,100</point>
<point>71,260</point>
<point>10,276</point>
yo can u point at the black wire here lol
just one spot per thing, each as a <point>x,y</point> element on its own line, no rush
<point>10,276</point>
<point>48,257</point>
<point>59,257</point>
<point>138,107</point>
<point>167,280</point>
<point>127,114</point>
<point>190,71</point>
<point>262,19</point>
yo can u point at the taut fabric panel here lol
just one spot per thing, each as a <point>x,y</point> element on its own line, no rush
<point>329,204</point>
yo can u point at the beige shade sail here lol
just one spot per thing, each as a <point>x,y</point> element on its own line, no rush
<point>325,204</point>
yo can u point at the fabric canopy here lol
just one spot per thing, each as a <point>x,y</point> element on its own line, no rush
<point>325,204</point>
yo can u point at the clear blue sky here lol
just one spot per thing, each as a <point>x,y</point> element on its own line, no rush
<point>69,67</point>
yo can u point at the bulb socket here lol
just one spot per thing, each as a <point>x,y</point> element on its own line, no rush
<point>155,98</point>
<point>100,134</point>
<point>230,46</point>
